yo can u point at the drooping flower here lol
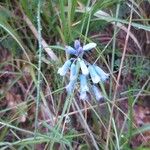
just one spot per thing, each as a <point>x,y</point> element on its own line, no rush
<point>89,46</point>
<point>63,70</point>
<point>70,50</point>
<point>83,87</point>
<point>73,71</point>
<point>83,83</point>
<point>97,93</point>
<point>94,76</point>
<point>103,76</point>
<point>83,95</point>
<point>83,67</point>
<point>70,87</point>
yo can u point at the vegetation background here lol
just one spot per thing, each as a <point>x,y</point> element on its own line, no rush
<point>35,111</point>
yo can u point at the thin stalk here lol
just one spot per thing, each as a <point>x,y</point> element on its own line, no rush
<point>118,78</point>
<point>130,113</point>
<point>84,20</point>
<point>86,126</point>
<point>113,48</point>
<point>58,126</point>
<point>63,20</point>
<point>113,120</point>
<point>87,28</point>
<point>39,67</point>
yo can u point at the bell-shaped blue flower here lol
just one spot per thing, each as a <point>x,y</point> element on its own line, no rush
<point>83,67</point>
<point>73,71</point>
<point>89,46</point>
<point>88,71</point>
<point>97,93</point>
<point>94,76</point>
<point>104,76</point>
<point>70,50</point>
<point>77,44</point>
<point>83,96</point>
<point>70,87</point>
<point>63,70</point>
<point>83,83</point>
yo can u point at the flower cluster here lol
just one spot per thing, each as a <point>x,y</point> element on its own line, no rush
<point>83,71</point>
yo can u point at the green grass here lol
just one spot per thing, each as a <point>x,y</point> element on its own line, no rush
<point>35,111</point>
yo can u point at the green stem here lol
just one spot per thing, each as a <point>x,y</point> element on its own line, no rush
<point>113,50</point>
<point>39,67</point>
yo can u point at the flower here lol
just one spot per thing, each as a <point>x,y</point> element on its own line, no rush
<point>83,67</point>
<point>88,71</point>
<point>94,76</point>
<point>89,46</point>
<point>63,70</point>
<point>70,50</point>
<point>83,95</point>
<point>77,44</point>
<point>103,76</point>
<point>73,71</point>
<point>78,49</point>
<point>70,87</point>
<point>83,83</point>
<point>97,92</point>
<point>83,87</point>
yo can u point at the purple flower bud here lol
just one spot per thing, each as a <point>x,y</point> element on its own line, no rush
<point>73,71</point>
<point>63,70</point>
<point>70,50</point>
<point>104,76</point>
<point>89,46</point>
<point>83,83</point>
<point>80,50</point>
<point>94,76</point>
<point>83,67</point>
<point>77,44</point>
<point>83,96</point>
<point>70,87</point>
<point>97,92</point>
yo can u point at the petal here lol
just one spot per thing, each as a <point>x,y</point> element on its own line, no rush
<point>83,96</point>
<point>97,92</point>
<point>83,83</point>
<point>89,46</point>
<point>73,71</point>
<point>80,50</point>
<point>70,50</point>
<point>70,87</point>
<point>94,76</point>
<point>104,76</point>
<point>83,67</point>
<point>77,44</point>
<point>63,70</point>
